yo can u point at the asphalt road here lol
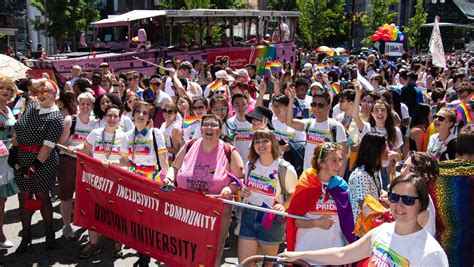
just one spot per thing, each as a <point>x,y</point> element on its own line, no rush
<point>66,252</point>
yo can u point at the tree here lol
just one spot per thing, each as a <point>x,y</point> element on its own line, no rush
<point>414,31</point>
<point>282,5</point>
<point>64,17</point>
<point>322,22</point>
<point>380,14</point>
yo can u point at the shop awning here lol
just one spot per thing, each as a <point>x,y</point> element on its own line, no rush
<point>466,7</point>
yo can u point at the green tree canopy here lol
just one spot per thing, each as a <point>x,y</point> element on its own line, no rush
<point>65,17</point>
<point>379,14</point>
<point>322,22</point>
<point>414,30</point>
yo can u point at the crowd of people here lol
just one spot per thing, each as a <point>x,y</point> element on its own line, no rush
<point>308,140</point>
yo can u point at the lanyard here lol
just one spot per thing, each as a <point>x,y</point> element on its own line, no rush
<point>108,148</point>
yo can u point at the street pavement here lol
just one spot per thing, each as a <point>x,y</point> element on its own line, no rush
<point>66,252</point>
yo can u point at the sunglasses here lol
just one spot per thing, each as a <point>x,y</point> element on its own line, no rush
<point>220,92</point>
<point>318,105</point>
<point>327,147</point>
<point>406,200</point>
<point>210,125</point>
<point>131,100</point>
<point>169,111</point>
<point>439,117</point>
<point>130,79</point>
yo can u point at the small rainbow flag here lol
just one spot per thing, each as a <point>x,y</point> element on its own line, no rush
<point>272,66</point>
<point>335,88</point>
<point>235,179</point>
<point>463,112</point>
<point>19,106</point>
<point>218,83</point>
<point>188,121</point>
<point>426,97</point>
<point>324,67</point>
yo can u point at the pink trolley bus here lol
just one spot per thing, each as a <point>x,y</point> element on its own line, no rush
<point>208,35</point>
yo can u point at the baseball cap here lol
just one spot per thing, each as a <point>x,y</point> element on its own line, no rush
<point>185,65</point>
<point>307,66</point>
<point>318,84</point>
<point>222,74</point>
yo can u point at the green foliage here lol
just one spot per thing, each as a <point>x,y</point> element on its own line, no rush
<point>380,14</point>
<point>192,4</point>
<point>414,30</point>
<point>65,17</point>
<point>322,22</point>
<point>282,5</point>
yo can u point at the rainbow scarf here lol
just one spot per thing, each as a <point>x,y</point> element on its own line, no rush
<point>308,191</point>
<point>335,88</point>
<point>324,67</point>
<point>218,83</point>
<point>272,66</point>
<point>463,112</point>
<point>188,121</point>
<point>453,196</point>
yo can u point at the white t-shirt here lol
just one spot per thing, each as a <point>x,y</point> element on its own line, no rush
<point>102,145</point>
<point>404,110</point>
<point>317,238</point>
<point>336,110</point>
<point>263,181</point>
<point>320,132</point>
<point>168,86</point>
<point>167,131</point>
<point>285,132</point>
<point>81,131</point>
<point>125,124</point>
<point>431,225</point>
<point>140,150</point>
<point>190,132</point>
<point>304,103</point>
<point>437,147</point>
<point>242,131</point>
<point>416,249</point>
<point>161,99</point>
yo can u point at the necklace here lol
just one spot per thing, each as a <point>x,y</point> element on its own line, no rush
<point>436,151</point>
<point>136,142</point>
<point>108,147</point>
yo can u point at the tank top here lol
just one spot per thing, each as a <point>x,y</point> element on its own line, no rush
<point>204,172</point>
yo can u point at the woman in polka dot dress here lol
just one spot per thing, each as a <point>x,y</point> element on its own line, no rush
<point>36,134</point>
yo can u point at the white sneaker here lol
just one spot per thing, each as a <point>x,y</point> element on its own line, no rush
<point>69,233</point>
<point>6,244</point>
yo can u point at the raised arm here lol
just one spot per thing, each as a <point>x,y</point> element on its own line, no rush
<point>356,110</point>
<point>293,123</point>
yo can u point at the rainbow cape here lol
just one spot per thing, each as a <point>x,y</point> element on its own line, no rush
<point>216,84</point>
<point>335,88</point>
<point>308,191</point>
<point>324,67</point>
<point>453,197</point>
<point>188,121</point>
<point>463,112</point>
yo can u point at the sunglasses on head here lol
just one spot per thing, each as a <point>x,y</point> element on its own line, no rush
<point>318,105</point>
<point>406,200</point>
<point>438,117</point>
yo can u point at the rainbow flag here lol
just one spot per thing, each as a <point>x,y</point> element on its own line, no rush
<point>463,113</point>
<point>218,83</point>
<point>426,97</point>
<point>335,88</point>
<point>272,66</point>
<point>324,67</point>
<point>188,121</point>
<point>19,106</point>
<point>235,179</point>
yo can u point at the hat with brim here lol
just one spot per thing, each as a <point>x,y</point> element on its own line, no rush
<point>222,74</point>
<point>259,113</point>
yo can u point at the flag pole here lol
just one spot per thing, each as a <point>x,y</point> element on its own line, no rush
<point>247,206</point>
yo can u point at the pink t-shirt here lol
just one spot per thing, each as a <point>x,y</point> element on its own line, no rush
<point>204,172</point>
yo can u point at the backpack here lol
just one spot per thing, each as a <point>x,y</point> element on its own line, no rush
<point>282,168</point>
<point>227,149</point>
<point>295,156</point>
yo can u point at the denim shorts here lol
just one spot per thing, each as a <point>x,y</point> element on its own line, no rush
<point>252,230</point>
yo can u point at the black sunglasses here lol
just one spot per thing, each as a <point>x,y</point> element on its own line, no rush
<point>407,200</point>
<point>319,105</point>
<point>169,111</point>
<point>438,117</point>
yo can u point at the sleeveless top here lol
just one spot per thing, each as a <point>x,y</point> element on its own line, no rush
<point>204,172</point>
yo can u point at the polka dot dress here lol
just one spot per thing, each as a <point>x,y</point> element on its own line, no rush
<point>33,129</point>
